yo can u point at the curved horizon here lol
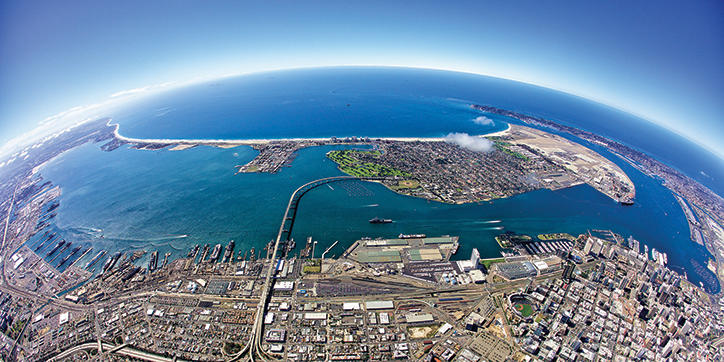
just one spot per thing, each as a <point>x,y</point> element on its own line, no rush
<point>118,98</point>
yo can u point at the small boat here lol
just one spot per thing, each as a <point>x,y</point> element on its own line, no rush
<point>377,220</point>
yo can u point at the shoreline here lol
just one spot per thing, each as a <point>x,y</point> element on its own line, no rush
<point>261,141</point>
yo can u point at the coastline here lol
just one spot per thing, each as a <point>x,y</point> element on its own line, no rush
<point>261,141</point>
<point>112,132</point>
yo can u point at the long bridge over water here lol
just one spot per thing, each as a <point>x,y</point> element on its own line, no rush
<point>253,349</point>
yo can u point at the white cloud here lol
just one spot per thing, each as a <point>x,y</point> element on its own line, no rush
<point>61,122</point>
<point>473,143</point>
<point>129,92</point>
<point>483,121</point>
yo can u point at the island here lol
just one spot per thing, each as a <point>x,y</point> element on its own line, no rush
<point>522,159</point>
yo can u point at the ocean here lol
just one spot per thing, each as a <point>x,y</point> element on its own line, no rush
<point>165,200</point>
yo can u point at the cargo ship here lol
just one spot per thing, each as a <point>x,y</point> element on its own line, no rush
<point>377,220</point>
<point>229,252</point>
<point>95,259</point>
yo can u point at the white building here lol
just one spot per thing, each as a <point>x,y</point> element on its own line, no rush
<point>468,265</point>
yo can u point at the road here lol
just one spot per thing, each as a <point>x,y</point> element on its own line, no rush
<point>123,350</point>
<point>254,349</point>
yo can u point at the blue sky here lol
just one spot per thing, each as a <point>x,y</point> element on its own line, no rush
<point>658,59</point>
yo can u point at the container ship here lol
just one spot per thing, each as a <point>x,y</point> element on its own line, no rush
<point>377,220</point>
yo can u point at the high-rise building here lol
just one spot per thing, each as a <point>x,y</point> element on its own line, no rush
<point>475,257</point>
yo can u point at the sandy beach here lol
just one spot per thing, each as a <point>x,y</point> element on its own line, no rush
<point>182,144</point>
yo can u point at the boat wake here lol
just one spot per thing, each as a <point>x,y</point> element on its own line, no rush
<point>151,240</point>
<point>487,222</point>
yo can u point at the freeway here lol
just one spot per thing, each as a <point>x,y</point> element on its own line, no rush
<point>123,350</point>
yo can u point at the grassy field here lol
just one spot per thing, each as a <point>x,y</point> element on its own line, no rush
<point>406,184</point>
<point>351,163</point>
<point>312,267</point>
<point>556,236</point>
<point>507,240</point>
<point>524,309</point>
<point>503,146</point>
<point>489,262</point>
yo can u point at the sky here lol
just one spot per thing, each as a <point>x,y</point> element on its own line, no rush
<point>661,60</point>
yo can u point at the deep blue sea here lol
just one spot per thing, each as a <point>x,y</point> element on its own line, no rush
<point>170,200</point>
